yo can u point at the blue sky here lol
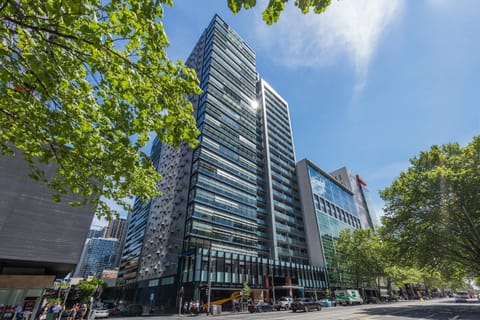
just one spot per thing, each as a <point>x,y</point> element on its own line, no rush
<point>370,83</point>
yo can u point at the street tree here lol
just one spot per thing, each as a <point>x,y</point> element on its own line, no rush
<point>246,291</point>
<point>362,256</point>
<point>432,212</point>
<point>88,287</point>
<point>84,83</point>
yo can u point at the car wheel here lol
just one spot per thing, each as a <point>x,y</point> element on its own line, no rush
<point>294,310</point>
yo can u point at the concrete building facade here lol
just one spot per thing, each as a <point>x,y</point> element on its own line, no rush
<point>40,239</point>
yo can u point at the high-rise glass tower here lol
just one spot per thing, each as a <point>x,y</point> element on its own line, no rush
<point>230,211</point>
<point>100,254</point>
<point>328,207</point>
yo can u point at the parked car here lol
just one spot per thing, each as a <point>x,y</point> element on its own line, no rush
<point>371,299</point>
<point>101,313</point>
<point>389,298</point>
<point>325,302</point>
<point>305,304</point>
<point>461,296</point>
<point>113,312</point>
<point>283,303</point>
<point>133,310</point>
<point>260,307</point>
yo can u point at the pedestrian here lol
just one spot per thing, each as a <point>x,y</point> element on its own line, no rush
<point>73,312</point>
<point>57,310</point>
<point>17,312</point>
<point>82,312</point>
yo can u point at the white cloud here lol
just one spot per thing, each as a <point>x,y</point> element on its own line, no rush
<point>349,30</point>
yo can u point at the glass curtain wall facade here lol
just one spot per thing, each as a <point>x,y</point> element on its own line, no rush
<point>136,227</point>
<point>230,211</point>
<point>329,208</point>
<point>100,254</point>
<point>243,217</point>
<point>137,223</point>
<point>363,204</point>
<point>221,212</point>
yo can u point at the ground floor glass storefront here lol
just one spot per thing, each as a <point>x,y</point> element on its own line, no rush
<point>225,274</point>
<point>23,291</point>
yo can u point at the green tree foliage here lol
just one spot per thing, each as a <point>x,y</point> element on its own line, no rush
<point>362,253</point>
<point>246,291</point>
<point>88,287</point>
<point>83,84</point>
<point>272,12</point>
<point>432,212</point>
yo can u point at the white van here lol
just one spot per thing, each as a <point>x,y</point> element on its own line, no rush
<point>348,297</point>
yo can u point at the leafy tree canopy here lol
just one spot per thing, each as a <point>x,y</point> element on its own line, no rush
<point>272,12</point>
<point>432,212</point>
<point>83,85</point>
<point>88,287</point>
<point>362,252</point>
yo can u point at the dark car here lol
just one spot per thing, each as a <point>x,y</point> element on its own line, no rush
<point>113,312</point>
<point>305,304</point>
<point>133,310</point>
<point>260,307</point>
<point>371,299</point>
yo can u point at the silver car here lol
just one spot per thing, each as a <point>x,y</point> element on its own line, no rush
<point>101,313</point>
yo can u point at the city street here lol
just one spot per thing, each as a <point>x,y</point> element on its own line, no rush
<point>440,309</point>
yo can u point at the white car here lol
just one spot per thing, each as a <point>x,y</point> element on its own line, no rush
<point>284,303</point>
<point>101,313</point>
<point>462,296</point>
